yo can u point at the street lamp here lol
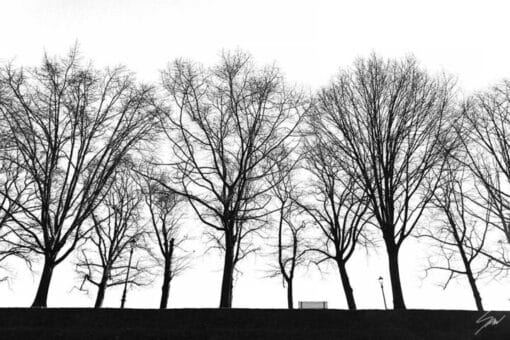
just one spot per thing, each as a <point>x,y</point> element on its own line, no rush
<point>132,243</point>
<point>382,290</point>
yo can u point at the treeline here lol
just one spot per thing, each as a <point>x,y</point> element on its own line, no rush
<point>97,166</point>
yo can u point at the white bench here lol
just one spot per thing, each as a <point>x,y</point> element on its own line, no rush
<point>313,305</point>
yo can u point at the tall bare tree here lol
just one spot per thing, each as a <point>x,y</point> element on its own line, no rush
<point>117,230</point>
<point>229,123</point>
<point>72,126</point>
<point>460,237</point>
<point>387,120</point>
<point>165,210</point>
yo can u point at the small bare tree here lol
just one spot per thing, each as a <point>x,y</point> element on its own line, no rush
<point>337,207</point>
<point>460,238</point>
<point>485,136</point>
<point>229,123</point>
<point>387,121</point>
<point>290,249</point>
<point>165,210</point>
<point>72,125</point>
<point>117,230</point>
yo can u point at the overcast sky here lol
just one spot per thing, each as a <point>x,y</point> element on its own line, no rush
<point>309,40</point>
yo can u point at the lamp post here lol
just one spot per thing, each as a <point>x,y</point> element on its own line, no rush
<point>123,300</point>
<point>382,290</point>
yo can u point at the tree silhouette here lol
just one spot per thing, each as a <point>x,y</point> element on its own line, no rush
<point>229,123</point>
<point>387,120</point>
<point>117,230</point>
<point>72,125</point>
<point>290,248</point>
<point>483,131</point>
<point>336,207</point>
<point>460,236</point>
<point>165,211</point>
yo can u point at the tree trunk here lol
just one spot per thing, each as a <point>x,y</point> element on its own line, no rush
<point>290,296</point>
<point>349,295</point>
<point>228,270</point>
<point>474,288</point>
<point>167,276</point>
<point>41,297</point>
<point>165,291</point>
<point>396,287</point>
<point>101,289</point>
<point>471,279</point>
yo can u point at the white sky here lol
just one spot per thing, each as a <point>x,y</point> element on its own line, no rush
<point>309,40</point>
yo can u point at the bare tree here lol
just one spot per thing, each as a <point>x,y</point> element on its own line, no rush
<point>165,210</point>
<point>72,126</point>
<point>337,207</point>
<point>460,237</point>
<point>485,135</point>
<point>229,123</point>
<point>117,230</point>
<point>387,120</point>
<point>290,248</point>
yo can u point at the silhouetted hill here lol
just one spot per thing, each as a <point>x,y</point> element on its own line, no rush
<point>52,323</point>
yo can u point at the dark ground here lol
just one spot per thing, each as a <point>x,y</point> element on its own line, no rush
<point>52,323</point>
